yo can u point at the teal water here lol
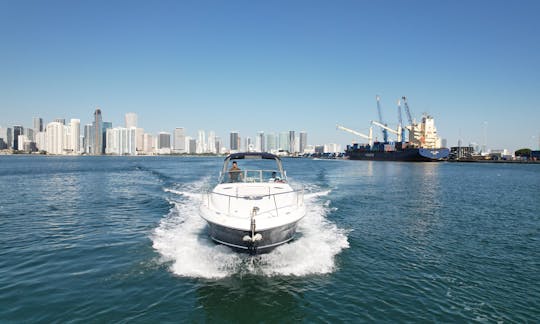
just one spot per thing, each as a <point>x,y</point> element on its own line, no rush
<point>118,239</point>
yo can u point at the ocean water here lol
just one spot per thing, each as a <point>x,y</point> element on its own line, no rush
<point>118,239</point>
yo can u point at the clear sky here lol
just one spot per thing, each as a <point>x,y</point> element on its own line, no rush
<point>276,65</point>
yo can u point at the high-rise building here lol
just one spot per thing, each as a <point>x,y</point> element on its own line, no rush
<point>121,141</point>
<point>302,142</point>
<point>148,143</point>
<point>271,144</point>
<point>29,132</point>
<point>201,142</point>
<point>131,120</point>
<point>192,146</point>
<point>219,145</point>
<point>292,142</point>
<point>38,124</point>
<point>164,140</point>
<point>248,146</point>
<point>55,136</point>
<point>234,141</point>
<point>259,142</point>
<point>106,125</point>
<point>211,146</point>
<point>139,140</point>
<point>17,130</point>
<point>283,141</point>
<point>179,140</point>
<point>61,121</point>
<point>6,136</point>
<point>87,138</point>
<point>41,141</point>
<point>75,136</point>
<point>96,146</point>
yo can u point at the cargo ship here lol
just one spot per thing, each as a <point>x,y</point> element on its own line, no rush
<point>423,144</point>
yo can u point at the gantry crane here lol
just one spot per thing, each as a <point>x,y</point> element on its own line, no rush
<point>368,137</point>
<point>385,133</point>
<point>409,117</point>
<point>400,121</point>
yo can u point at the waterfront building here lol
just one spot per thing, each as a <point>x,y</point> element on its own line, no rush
<point>219,145</point>
<point>55,136</point>
<point>29,133</point>
<point>6,136</point>
<point>192,146</point>
<point>87,139</point>
<point>41,141</point>
<point>164,143</point>
<point>38,124</point>
<point>20,142</point>
<point>248,146</point>
<point>179,140</point>
<point>131,120</point>
<point>302,142</point>
<point>283,141</point>
<point>234,141</point>
<point>271,142</point>
<point>106,125</point>
<point>96,145</point>
<point>121,141</point>
<point>201,142</point>
<point>139,139</point>
<point>75,136</point>
<point>17,130</point>
<point>332,148</point>
<point>148,143</point>
<point>292,142</point>
<point>211,146</point>
<point>259,142</point>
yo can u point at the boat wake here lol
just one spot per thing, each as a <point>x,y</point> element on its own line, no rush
<point>182,241</point>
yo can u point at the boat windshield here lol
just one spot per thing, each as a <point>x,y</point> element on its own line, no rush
<point>252,170</point>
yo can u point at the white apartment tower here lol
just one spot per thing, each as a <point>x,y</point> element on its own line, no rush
<point>55,138</point>
<point>179,140</point>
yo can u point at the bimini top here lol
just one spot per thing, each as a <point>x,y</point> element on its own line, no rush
<point>252,155</point>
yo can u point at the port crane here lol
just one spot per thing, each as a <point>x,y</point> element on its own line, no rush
<point>384,131</point>
<point>400,120</point>
<point>388,129</point>
<point>407,110</point>
<point>368,137</point>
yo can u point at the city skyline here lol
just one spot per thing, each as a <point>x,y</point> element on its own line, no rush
<point>301,65</point>
<point>60,137</point>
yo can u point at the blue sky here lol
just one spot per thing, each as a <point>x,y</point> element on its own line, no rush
<point>276,65</point>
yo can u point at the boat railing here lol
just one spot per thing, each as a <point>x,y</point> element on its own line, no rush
<point>252,176</point>
<point>298,201</point>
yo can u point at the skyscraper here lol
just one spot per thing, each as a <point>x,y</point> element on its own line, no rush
<point>75,134</point>
<point>96,146</point>
<point>87,138</point>
<point>38,124</point>
<point>61,121</point>
<point>55,136</point>
<point>259,142</point>
<point>17,130</point>
<point>211,146</point>
<point>271,144</point>
<point>283,141</point>
<point>179,140</point>
<point>6,135</point>
<point>106,125</point>
<point>131,120</point>
<point>292,142</point>
<point>201,142</point>
<point>234,141</point>
<point>303,142</point>
<point>164,140</point>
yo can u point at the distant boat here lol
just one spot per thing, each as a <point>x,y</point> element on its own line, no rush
<point>253,210</point>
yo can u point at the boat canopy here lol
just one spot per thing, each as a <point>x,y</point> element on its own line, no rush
<point>252,155</point>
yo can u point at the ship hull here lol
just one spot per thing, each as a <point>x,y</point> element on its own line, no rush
<point>406,155</point>
<point>270,238</point>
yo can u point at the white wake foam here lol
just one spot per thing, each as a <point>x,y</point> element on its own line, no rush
<point>181,239</point>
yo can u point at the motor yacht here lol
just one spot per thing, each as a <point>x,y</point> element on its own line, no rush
<point>253,208</point>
